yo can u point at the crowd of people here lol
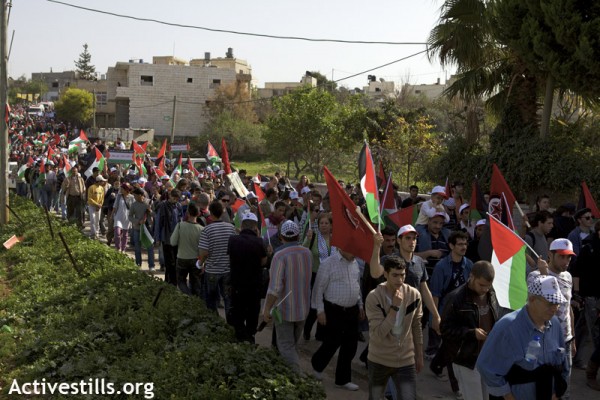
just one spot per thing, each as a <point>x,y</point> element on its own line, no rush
<point>433,276</point>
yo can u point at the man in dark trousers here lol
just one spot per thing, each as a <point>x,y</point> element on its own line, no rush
<point>168,215</point>
<point>247,257</point>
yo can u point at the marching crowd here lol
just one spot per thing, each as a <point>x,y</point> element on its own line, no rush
<point>275,243</point>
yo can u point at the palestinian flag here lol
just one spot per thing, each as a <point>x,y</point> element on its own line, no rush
<point>41,179</point>
<point>139,163</point>
<point>67,165</point>
<point>138,150</point>
<point>264,231</point>
<point>587,201</point>
<point>178,167</point>
<point>351,233</point>
<point>190,167</point>
<point>21,171</point>
<point>75,145</point>
<point>368,184</point>
<point>477,204</point>
<point>502,200</point>
<point>406,216</point>
<point>146,239</point>
<point>508,259</point>
<point>260,194</point>
<point>211,155</point>
<point>162,151</point>
<point>99,162</point>
<point>235,207</point>
<point>226,164</point>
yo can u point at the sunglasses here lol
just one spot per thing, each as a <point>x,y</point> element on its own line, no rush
<point>224,200</point>
<point>587,217</point>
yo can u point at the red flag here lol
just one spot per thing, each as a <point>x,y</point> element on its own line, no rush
<point>162,151</point>
<point>144,146</point>
<point>502,199</point>
<point>389,201</point>
<point>259,192</point>
<point>226,165</point>
<point>191,167</point>
<point>351,233</point>
<point>29,161</point>
<point>83,136</point>
<point>587,201</point>
<point>56,140</point>
<point>381,176</point>
<point>43,167</point>
<point>50,153</point>
<point>67,165</point>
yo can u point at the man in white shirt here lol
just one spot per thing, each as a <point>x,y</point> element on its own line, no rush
<point>337,299</point>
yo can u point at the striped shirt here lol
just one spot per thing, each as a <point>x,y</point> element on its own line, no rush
<point>291,270</point>
<point>214,239</point>
<point>338,282</point>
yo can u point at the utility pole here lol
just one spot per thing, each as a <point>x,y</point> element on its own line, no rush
<point>173,126</point>
<point>4,123</point>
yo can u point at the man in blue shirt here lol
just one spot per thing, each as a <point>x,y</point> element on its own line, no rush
<point>502,363</point>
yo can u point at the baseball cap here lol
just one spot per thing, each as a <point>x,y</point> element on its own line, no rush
<point>100,178</point>
<point>462,208</point>
<point>249,216</point>
<point>165,177</point>
<point>142,180</point>
<point>290,229</point>
<point>440,214</point>
<point>450,202</point>
<point>185,171</point>
<point>406,229</point>
<point>113,169</point>
<point>294,195</point>
<point>562,246</point>
<point>439,190</point>
<point>481,222</point>
<point>547,287</point>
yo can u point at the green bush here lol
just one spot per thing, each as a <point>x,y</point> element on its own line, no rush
<point>67,328</point>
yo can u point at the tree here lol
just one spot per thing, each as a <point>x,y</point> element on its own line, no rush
<point>555,39</point>
<point>76,106</point>
<point>322,81</point>
<point>85,69</point>
<point>232,117</point>
<point>307,130</point>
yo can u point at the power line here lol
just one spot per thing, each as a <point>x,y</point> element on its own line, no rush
<point>263,35</point>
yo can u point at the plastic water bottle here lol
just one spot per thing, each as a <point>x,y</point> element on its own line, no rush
<point>534,349</point>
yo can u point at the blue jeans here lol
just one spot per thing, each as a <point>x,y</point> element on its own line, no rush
<point>215,284</point>
<point>138,250</point>
<point>404,378</point>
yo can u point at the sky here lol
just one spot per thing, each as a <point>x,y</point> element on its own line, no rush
<point>49,35</point>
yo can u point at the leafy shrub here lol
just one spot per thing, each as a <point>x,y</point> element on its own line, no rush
<point>67,328</point>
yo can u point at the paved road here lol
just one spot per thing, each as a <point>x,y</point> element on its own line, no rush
<point>428,387</point>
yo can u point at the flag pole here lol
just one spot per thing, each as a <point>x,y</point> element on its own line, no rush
<point>385,193</point>
<point>508,209</point>
<point>521,212</point>
<point>520,238</point>
<point>360,214</point>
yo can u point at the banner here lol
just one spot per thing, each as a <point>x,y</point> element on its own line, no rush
<point>119,157</point>
<point>237,184</point>
<point>179,148</point>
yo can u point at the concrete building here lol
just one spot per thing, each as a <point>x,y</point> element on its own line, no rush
<point>144,93</point>
<point>379,89</point>
<point>430,91</point>
<point>272,89</point>
<point>59,82</point>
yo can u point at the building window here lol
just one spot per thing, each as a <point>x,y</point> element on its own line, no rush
<point>215,83</point>
<point>417,91</point>
<point>189,80</point>
<point>147,80</point>
<point>101,99</point>
<point>54,84</point>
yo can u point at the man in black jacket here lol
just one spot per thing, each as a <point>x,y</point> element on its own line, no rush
<point>469,315</point>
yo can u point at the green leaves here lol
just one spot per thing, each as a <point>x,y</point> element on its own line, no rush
<point>104,326</point>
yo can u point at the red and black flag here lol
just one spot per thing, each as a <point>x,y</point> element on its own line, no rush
<point>477,205</point>
<point>587,201</point>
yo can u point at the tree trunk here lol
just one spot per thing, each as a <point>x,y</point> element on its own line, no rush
<point>547,112</point>
<point>472,124</point>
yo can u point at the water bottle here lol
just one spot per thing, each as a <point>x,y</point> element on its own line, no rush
<point>534,349</point>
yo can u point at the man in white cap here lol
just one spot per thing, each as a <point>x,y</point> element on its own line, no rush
<point>464,223</point>
<point>511,365</point>
<point>247,259</point>
<point>561,251</point>
<point>473,247</point>
<point>289,289</point>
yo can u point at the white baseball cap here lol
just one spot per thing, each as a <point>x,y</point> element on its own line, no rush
<point>481,222</point>
<point>439,190</point>
<point>249,216</point>
<point>462,208</point>
<point>562,246</point>
<point>406,229</point>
